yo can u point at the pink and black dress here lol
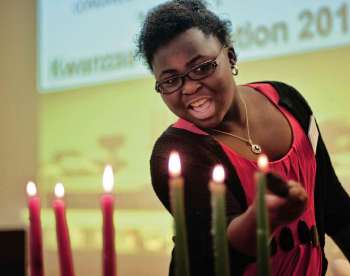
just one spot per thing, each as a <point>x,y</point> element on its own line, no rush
<point>297,247</point>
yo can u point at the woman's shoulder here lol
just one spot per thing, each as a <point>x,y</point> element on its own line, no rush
<point>285,94</point>
<point>290,98</point>
<point>192,147</point>
<point>174,138</point>
<point>176,134</point>
<point>284,90</point>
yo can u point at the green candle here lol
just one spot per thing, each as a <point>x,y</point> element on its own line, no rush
<point>176,185</point>
<point>262,231</point>
<point>218,189</point>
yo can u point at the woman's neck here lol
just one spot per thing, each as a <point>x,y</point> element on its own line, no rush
<point>235,118</point>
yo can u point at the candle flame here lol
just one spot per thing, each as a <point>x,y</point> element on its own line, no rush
<point>219,173</point>
<point>174,164</point>
<point>31,188</point>
<point>108,179</point>
<point>59,190</point>
<point>263,162</point>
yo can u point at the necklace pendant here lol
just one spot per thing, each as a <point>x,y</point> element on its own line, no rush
<point>256,148</point>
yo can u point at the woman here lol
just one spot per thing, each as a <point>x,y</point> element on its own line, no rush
<point>189,51</point>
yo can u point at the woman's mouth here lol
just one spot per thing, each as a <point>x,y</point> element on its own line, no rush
<point>202,108</point>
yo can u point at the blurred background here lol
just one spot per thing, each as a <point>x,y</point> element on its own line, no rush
<point>73,99</point>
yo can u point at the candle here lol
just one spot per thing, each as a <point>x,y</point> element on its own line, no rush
<point>218,189</point>
<point>35,236</point>
<point>62,233</point>
<point>107,205</point>
<point>262,233</point>
<point>176,186</point>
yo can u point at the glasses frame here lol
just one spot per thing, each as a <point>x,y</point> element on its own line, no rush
<point>186,74</point>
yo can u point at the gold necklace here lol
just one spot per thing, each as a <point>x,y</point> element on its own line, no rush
<point>255,148</point>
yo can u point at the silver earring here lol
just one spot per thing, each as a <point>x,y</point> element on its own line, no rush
<point>234,70</point>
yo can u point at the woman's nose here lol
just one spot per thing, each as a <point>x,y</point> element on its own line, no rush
<point>190,86</point>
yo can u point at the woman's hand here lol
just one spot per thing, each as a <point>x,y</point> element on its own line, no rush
<point>285,202</point>
<point>285,209</point>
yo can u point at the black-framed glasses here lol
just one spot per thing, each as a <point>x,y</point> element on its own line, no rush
<point>198,72</point>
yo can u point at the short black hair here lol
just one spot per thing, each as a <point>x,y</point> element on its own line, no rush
<point>167,20</point>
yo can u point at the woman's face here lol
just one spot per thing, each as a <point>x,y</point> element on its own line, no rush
<point>203,102</point>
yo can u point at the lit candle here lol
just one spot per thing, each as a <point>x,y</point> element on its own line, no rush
<point>62,233</point>
<point>35,236</point>
<point>176,186</point>
<point>262,232</point>
<point>218,189</point>
<point>107,205</point>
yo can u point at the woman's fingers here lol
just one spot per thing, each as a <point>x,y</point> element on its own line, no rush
<point>276,185</point>
<point>297,194</point>
<point>296,201</point>
<point>287,208</point>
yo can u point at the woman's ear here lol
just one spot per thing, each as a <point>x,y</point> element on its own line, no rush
<point>232,56</point>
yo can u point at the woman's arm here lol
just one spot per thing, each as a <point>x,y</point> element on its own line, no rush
<point>197,164</point>
<point>281,210</point>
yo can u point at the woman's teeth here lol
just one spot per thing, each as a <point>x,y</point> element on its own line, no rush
<point>198,103</point>
<point>202,109</point>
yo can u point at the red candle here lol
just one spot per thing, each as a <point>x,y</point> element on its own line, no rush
<point>107,205</point>
<point>62,233</point>
<point>35,236</point>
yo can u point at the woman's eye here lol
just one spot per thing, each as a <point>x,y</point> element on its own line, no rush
<point>203,68</point>
<point>170,82</point>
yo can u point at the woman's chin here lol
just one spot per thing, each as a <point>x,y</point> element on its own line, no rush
<point>210,122</point>
<point>204,117</point>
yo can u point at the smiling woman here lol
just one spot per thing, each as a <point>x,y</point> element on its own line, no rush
<point>197,62</point>
<point>189,51</point>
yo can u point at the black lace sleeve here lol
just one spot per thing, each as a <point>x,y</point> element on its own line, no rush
<point>332,201</point>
